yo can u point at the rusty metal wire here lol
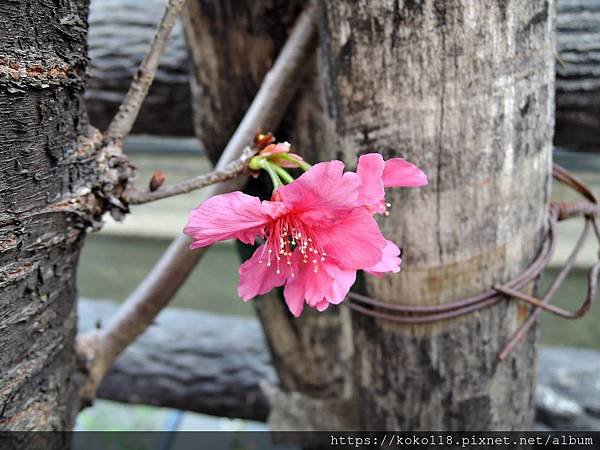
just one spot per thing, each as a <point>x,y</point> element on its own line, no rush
<point>512,289</point>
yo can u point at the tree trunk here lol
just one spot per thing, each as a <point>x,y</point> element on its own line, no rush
<point>42,65</point>
<point>466,91</point>
<point>232,45</point>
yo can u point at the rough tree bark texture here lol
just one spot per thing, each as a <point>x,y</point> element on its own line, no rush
<point>42,64</point>
<point>465,90</point>
<point>232,45</point>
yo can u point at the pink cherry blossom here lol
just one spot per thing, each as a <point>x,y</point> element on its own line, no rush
<point>375,174</point>
<point>318,231</point>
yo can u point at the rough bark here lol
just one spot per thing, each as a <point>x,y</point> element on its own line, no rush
<point>42,115</point>
<point>578,78</point>
<point>120,32</point>
<point>465,90</point>
<point>232,44</point>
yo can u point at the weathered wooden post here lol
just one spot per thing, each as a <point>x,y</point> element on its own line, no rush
<point>466,91</point>
<point>229,59</point>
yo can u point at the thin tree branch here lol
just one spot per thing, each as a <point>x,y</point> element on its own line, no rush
<point>227,353</point>
<point>232,170</point>
<point>99,349</point>
<point>123,121</point>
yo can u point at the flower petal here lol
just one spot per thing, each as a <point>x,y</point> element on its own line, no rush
<point>227,216</point>
<point>329,283</point>
<point>399,172</point>
<point>322,305</point>
<point>293,292</point>
<point>342,281</point>
<point>390,261</point>
<point>322,192</point>
<point>354,240</point>
<point>257,278</point>
<point>274,149</point>
<point>370,170</point>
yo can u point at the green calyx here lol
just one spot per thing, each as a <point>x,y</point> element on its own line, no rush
<point>279,176</point>
<point>255,163</point>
